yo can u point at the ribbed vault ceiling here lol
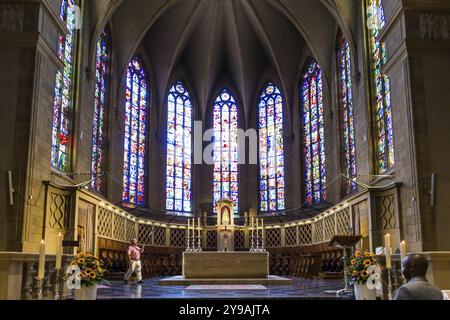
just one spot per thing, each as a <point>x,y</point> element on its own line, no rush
<point>210,43</point>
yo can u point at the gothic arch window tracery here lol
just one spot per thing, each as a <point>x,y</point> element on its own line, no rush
<point>345,91</point>
<point>136,113</point>
<point>271,150</point>
<point>380,90</point>
<point>179,150</point>
<point>64,89</point>
<point>100,112</point>
<point>225,124</point>
<point>314,170</point>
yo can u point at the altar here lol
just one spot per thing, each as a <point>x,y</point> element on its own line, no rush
<point>224,267</point>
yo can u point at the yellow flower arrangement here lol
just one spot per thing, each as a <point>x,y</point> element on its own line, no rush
<point>90,268</point>
<point>358,267</point>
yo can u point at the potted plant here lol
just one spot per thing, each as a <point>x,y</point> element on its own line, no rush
<point>364,274</point>
<point>85,273</point>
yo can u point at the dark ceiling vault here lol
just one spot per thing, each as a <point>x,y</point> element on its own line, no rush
<point>215,42</point>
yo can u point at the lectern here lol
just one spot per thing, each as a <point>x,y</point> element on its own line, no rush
<point>345,242</point>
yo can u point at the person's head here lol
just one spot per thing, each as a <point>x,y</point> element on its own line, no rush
<point>414,265</point>
<point>134,242</point>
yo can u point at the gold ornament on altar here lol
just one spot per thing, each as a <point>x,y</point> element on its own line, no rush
<point>225,209</point>
<point>225,225</point>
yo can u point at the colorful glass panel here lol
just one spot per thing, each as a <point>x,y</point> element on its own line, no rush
<point>98,125</point>
<point>384,132</point>
<point>226,180</point>
<point>179,150</point>
<point>313,135</point>
<point>137,97</point>
<point>271,150</point>
<point>64,87</point>
<point>347,117</point>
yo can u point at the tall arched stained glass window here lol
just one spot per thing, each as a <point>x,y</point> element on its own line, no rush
<point>380,87</point>
<point>346,108</point>
<point>271,150</point>
<point>314,183</point>
<point>225,180</point>
<point>179,150</point>
<point>99,125</point>
<point>136,112</point>
<point>64,89</point>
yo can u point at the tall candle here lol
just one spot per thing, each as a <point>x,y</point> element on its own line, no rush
<point>58,252</point>
<point>262,224</point>
<point>41,270</point>
<point>199,229</point>
<point>253,226</point>
<point>189,228</point>
<point>403,250</point>
<point>387,248</point>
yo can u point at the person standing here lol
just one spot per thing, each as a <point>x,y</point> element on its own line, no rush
<point>417,287</point>
<point>135,266</point>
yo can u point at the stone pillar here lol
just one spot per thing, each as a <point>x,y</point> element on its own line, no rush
<point>417,37</point>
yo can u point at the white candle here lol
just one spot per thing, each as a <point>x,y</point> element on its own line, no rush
<point>403,250</point>
<point>387,249</point>
<point>199,229</point>
<point>262,224</point>
<point>253,226</point>
<point>41,270</point>
<point>58,252</point>
<point>189,227</point>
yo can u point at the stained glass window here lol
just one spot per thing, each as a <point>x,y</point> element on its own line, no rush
<point>347,118</point>
<point>98,125</point>
<point>64,87</point>
<point>136,112</point>
<point>313,135</point>
<point>225,180</point>
<point>381,101</point>
<point>179,150</point>
<point>271,150</point>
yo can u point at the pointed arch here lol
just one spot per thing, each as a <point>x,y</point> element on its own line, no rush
<point>99,123</point>
<point>345,92</point>
<point>225,125</point>
<point>179,149</point>
<point>135,144</point>
<point>314,170</point>
<point>64,90</point>
<point>380,89</point>
<point>271,150</point>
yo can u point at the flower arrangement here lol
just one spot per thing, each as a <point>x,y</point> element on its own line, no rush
<point>362,267</point>
<point>90,269</point>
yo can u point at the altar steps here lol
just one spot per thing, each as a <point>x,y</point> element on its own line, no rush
<point>329,275</point>
<point>182,281</point>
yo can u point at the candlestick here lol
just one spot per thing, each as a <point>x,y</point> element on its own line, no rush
<point>253,227</point>
<point>41,270</point>
<point>199,228</point>
<point>387,248</point>
<point>189,228</point>
<point>58,252</point>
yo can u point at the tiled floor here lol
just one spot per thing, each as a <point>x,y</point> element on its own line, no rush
<point>302,289</point>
